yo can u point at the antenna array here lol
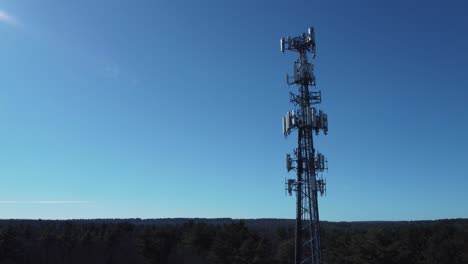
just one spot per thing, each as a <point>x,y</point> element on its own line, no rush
<point>308,163</point>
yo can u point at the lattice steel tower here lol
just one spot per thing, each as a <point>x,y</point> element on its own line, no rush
<point>308,163</point>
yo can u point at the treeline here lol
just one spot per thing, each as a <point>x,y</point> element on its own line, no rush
<point>231,242</point>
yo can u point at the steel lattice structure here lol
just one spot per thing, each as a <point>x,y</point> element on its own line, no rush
<point>308,163</point>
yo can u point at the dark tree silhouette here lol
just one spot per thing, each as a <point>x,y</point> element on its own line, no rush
<point>224,241</point>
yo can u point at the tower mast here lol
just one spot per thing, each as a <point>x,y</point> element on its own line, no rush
<point>306,119</point>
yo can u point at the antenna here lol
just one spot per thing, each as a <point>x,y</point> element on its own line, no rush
<point>290,186</point>
<point>305,160</point>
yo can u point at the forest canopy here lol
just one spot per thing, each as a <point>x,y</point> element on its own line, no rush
<point>227,241</point>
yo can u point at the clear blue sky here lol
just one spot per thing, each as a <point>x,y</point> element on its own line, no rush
<point>173,108</point>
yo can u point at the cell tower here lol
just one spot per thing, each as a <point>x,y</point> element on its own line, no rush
<point>308,163</point>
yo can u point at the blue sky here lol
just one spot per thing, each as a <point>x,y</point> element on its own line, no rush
<point>173,108</point>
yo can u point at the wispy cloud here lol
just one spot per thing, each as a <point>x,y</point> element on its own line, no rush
<point>44,202</point>
<point>112,71</point>
<point>7,18</point>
